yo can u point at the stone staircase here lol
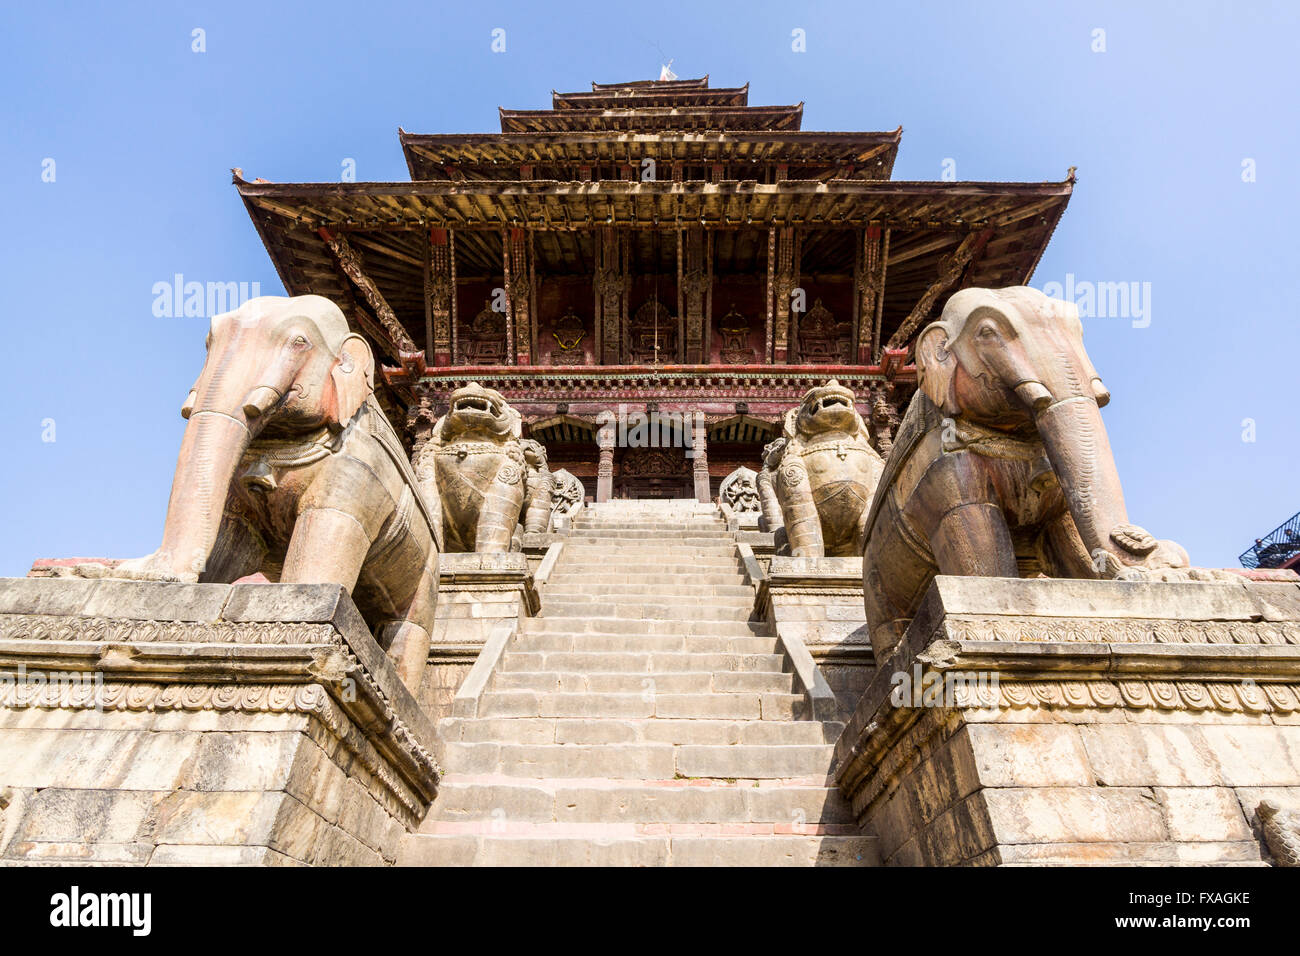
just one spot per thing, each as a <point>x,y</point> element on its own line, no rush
<point>643,719</point>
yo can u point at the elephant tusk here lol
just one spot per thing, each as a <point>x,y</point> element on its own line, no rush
<point>1034,395</point>
<point>259,400</point>
<point>1101,393</point>
<point>187,409</point>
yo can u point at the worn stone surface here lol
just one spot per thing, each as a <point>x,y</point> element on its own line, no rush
<point>205,724</point>
<point>641,719</point>
<point>1080,722</point>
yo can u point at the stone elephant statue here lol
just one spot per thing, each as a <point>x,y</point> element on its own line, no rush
<point>1001,465</point>
<point>817,480</point>
<point>289,467</point>
<point>477,461</point>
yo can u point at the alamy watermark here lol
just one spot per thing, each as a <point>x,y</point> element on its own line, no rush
<point>200,300</point>
<point>25,688</point>
<point>915,688</point>
<point>1105,300</point>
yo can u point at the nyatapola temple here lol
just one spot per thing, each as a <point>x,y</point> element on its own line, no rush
<point>651,483</point>
<point>657,246</point>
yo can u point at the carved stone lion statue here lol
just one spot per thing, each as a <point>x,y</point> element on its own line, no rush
<point>818,478</point>
<point>476,456</point>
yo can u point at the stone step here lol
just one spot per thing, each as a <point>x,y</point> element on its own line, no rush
<point>558,801</point>
<point>572,562</point>
<point>601,575</point>
<point>602,848</point>
<point>661,607</point>
<point>647,626</point>
<point>642,761</point>
<point>670,682</point>
<point>717,706</point>
<point>579,588</point>
<point>632,663</point>
<point>653,524</point>
<point>656,535</point>
<point>551,730</point>
<point>659,546</point>
<point>642,643</point>
<point>581,642</point>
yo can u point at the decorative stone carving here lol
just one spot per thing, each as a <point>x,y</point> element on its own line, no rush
<point>476,458</point>
<point>538,486</point>
<point>1001,452</point>
<point>567,494</point>
<point>289,468</point>
<point>568,333</point>
<point>822,340</point>
<point>823,476</point>
<point>352,764</point>
<point>738,496</point>
<point>1281,831</point>
<point>485,341</point>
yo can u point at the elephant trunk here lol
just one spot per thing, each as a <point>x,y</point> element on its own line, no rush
<point>1077,446</point>
<point>210,452</point>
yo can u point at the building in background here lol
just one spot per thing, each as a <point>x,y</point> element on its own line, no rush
<point>659,247</point>
<point>1280,548</point>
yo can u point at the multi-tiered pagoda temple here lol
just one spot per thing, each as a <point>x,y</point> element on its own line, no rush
<point>661,246</point>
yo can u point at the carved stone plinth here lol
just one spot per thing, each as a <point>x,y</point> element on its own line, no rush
<point>1064,721</point>
<point>818,602</point>
<point>148,724</point>
<point>476,594</point>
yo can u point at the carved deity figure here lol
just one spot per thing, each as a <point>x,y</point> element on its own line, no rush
<point>538,486</point>
<point>477,462</point>
<point>738,495</point>
<point>1001,463</point>
<point>567,496</point>
<point>820,478</point>
<point>289,467</point>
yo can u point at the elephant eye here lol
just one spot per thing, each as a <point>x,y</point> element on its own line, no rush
<point>300,342</point>
<point>988,332</point>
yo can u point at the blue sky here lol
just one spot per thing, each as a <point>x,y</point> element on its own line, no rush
<point>143,132</point>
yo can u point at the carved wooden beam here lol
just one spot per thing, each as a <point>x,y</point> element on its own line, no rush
<point>869,280</point>
<point>349,261</point>
<point>951,268</point>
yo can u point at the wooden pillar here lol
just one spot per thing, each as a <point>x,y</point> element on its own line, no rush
<point>700,463</point>
<point>605,438</point>
<point>519,309</point>
<point>610,286</point>
<point>771,293</point>
<point>455,311</point>
<point>695,285</point>
<point>438,294</point>
<point>869,287</point>
<point>787,280</point>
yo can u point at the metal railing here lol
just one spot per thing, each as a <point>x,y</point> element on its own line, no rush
<point>1281,545</point>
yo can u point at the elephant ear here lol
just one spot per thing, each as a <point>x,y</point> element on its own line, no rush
<point>353,378</point>
<point>935,365</point>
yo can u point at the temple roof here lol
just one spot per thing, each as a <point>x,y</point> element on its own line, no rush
<point>473,155</point>
<point>653,117</point>
<point>651,94</point>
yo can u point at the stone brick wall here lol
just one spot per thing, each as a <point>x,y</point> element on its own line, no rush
<point>206,724</point>
<point>476,594</point>
<point>1129,724</point>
